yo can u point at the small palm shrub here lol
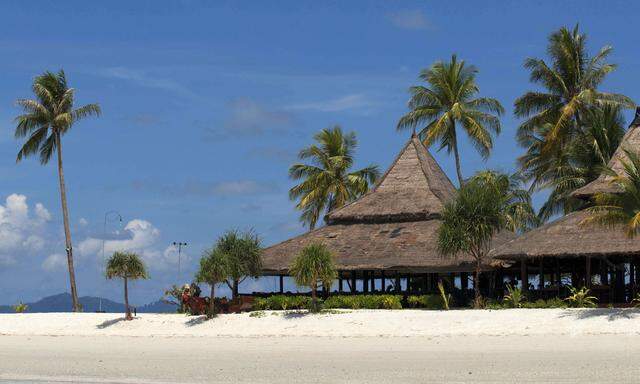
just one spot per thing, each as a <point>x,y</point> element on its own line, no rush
<point>20,307</point>
<point>580,298</point>
<point>514,298</point>
<point>636,301</point>
<point>426,301</point>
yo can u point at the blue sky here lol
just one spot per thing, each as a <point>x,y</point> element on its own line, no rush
<point>205,105</point>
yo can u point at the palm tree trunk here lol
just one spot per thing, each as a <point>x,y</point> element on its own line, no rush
<point>457,156</point>
<point>314,298</point>
<point>67,230</point>
<point>127,314</point>
<point>234,291</point>
<point>476,286</point>
<point>212,309</point>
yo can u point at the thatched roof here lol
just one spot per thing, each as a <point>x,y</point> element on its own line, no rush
<point>413,188</point>
<point>630,141</point>
<point>393,227</point>
<point>565,237</point>
<point>408,246</point>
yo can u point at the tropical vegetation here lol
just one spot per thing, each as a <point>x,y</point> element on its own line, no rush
<point>244,256</point>
<point>485,205</point>
<point>580,298</point>
<point>621,208</point>
<point>313,266</point>
<point>127,266</point>
<point>43,122</point>
<point>327,182</point>
<point>214,269</point>
<point>451,101</point>
<point>570,128</point>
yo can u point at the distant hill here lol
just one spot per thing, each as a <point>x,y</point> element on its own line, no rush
<point>62,303</point>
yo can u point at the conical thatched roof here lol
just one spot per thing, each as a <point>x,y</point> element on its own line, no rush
<point>394,226</point>
<point>413,188</point>
<point>566,237</point>
<point>630,141</point>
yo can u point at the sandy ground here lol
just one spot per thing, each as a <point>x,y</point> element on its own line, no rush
<point>515,346</point>
<point>360,323</point>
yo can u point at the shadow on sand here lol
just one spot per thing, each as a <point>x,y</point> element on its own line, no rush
<point>196,321</point>
<point>108,323</point>
<point>611,314</point>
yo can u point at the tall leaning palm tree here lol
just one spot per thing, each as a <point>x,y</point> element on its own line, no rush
<point>45,120</point>
<point>328,182</point>
<point>449,101</point>
<point>558,120</point>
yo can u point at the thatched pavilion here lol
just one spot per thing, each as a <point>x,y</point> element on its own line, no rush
<point>387,235</point>
<point>565,251</point>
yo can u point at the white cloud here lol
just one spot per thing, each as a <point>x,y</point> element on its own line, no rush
<point>348,102</point>
<point>54,262</point>
<point>83,222</point>
<point>141,237</point>
<point>20,232</point>
<point>145,80</point>
<point>410,19</point>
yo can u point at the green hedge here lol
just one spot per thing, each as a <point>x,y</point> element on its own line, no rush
<point>551,303</point>
<point>364,302</point>
<point>282,302</point>
<point>426,301</point>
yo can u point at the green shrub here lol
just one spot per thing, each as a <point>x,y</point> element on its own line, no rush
<point>257,314</point>
<point>281,303</point>
<point>426,301</point>
<point>364,302</point>
<point>20,307</point>
<point>580,298</point>
<point>515,297</point>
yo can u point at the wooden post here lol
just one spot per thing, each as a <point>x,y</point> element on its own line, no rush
<point>619,284</point>
<point>558,275</point>
<point>339,281</point>
<point>383,282</point>
<point>365,281</point>
<point>354,282</point>
<point>373,282</point>
<point>281,284</point>
<point>541,279</point>
<point>425,283</point>
<point>524,277</point>
<point>464,281</point>
<point>604,272</point>
<point>587,273</point>
<point>398,284</point>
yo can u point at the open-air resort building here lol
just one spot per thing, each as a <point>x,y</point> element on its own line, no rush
<point>567,252</point>
<point>386,241</point>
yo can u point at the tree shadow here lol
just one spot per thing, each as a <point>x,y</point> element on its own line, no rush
<point>611,314</point>
<point>108,323</point>
<point>196,321</point>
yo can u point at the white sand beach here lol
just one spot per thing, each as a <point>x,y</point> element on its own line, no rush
<point>509,346</point>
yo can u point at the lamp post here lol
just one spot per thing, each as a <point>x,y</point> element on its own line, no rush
<point>104,235</point>
<point>179,244</point>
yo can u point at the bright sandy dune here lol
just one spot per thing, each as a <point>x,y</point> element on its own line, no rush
<point>360,323</point>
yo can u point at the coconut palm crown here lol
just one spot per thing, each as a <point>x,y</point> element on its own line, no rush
<point>328,182</point>
<point>45,120</point>
<point>449,101</point>
<point>314,265</point>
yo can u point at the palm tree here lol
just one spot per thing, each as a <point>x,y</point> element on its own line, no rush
<point>244,254</point>
<point>485,205</point>
<point>127,266</point>
<point>556,125</point>
<point>45,120</point>
<point>328,182</point>
<point>623,208</point>
<point>451,99</point>
<point>214,269</point>
<point>314,264</point>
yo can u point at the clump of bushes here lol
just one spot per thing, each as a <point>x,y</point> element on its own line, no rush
<point>281,303</point>
<point>427,302</point>
<point>507,303</point>
<point>364,302</point>
<point>580,298</point>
